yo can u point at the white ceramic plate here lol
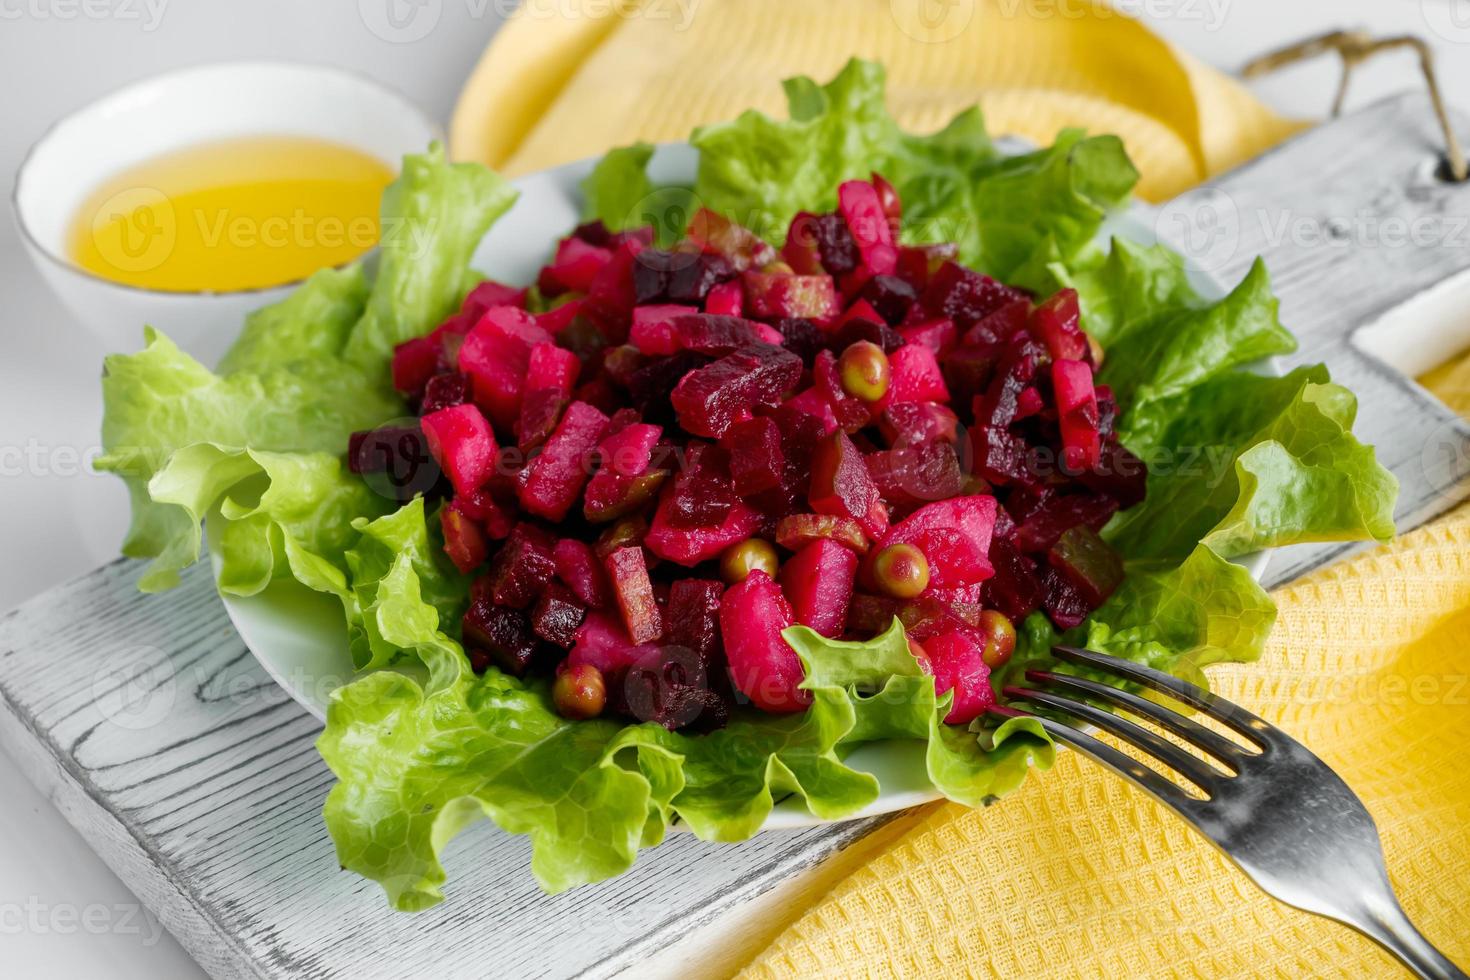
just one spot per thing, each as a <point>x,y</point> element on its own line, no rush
<point>299,636</point>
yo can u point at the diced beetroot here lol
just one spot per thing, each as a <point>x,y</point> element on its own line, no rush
<point>622,482</point>
<point>1076,414</point>
<point>799,530</point>
<point>580,571</point>
<point>1000,325</point>
<point>861,310</point>
<point>1064,603</point>
<point>704,491</point>
<point>554,478</point>
<point>490,293</point>
<point>841,486</point>
<point>603,643</point>
<point>871,614</point>
<point>1016,588</point>
<point>891,297</point>
<point>694,616</point>
<point>741,246</point>
<point>915,474</point>
<point>495,354</point>
<point>678,277</point>
<point>611,297</point>
<point>540,412</point>
<point>414,363</point>
<point>575,266</point>
<point>690,546</point>
<point>559,317</point>
<point>552,367</point>
<point>1000,456</point>
<point>1056,324</point>
<point>557,616</point>
<point>709,400</point>
<point>1028,403</point>
<point>916,377</point>
<point>965,296</point>
<point>653,327</point>
<point>756,460</point>
<point>1119,474</point>
<point>773,295</point>
<point>817,580</point>
<point>1049,520</point>
<point>762,665</point>
<point>887,197</point>
<point>968,370</point>
<point>937,335</point>
<point>862,210</point>
<point>910,423</point>
<point>940,611</point>
<point>628,571</point>
<point>461,442</point>
<point>726,299</point>
<point>521,569</point>
<point>815,404</point>
<point>861,328</point>
<point>917,263</point>
<point>957,662</point>
<point>705,333</point>
<point>1087,563</point>
<point>498,635</point>
<point>1017,368</point>
<point>445,390</point>
<point>482,508</point>
<point>464,542</point>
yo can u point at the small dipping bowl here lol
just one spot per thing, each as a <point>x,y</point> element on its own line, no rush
<point>174,111</point>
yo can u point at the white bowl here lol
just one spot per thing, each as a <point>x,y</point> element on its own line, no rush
<point>299,636</point>
<point>170,112</point>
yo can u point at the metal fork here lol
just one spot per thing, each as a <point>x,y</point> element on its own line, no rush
<point>1286,819</point>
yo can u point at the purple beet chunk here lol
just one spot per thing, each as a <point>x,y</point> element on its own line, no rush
<point>968,370</point>
<point>912,475</point>
<point>708,333</point>
<point>379,450</point>
<point>703,491</point>
<point>802,337</point>
<point>557,615</point>
<point>756,460</point>
<point>445,391</point>
<point>1016,588</point>
<point>709,400</point>
<point>890,296</point>
<point>593,233</point>
<point>1051,519</point>
<point>651,385</point>
<point>652,270</point>
<point>1000,456</point>
<point>1017,368</point>
<point>965,296</point>
<point>864,329</point>
<point>1064,604</point>
<point>1118,474</point>
<point>670,687</point>
<point>504,634</point>
<point>835,244</point>
<point>694,616</point>
<point>691,282</point>
<point>540,411</point>
<point>521,570</point>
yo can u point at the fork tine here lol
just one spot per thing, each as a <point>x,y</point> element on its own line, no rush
<point>1226,712</point>
<point>1192,732</point>
<point>1197,771</point>
<point>1141,775</point>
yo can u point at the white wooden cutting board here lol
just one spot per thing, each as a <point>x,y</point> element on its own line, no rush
<point>153,730</point>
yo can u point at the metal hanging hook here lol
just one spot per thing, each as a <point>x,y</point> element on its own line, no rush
<point>1355,47</point>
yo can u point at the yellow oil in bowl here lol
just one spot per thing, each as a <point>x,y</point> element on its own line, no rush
<point>243,213</point>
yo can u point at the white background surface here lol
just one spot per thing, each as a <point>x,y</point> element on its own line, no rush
<point>62,913</point>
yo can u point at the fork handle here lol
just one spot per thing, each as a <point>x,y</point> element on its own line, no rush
<point>1387,925</point>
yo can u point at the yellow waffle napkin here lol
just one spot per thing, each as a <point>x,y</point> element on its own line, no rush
<point>1077,874</point>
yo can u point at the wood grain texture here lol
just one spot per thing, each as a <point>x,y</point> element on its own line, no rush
<point>197,780</point>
